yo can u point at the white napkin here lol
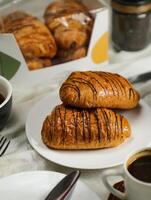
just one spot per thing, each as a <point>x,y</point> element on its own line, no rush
<point>20,156</point>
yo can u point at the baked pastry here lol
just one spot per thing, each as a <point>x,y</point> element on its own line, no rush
<point>32,35</point>
<point>64,56</point>
<point>62,7</point>
<point>72,36</point>
<point>98,89</point>
<point>35,63</point>
<point>70,23</point>
<point>74,128</point>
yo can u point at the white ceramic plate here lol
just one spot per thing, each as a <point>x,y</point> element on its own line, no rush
<point>36,186</point>
<point>139,118</point>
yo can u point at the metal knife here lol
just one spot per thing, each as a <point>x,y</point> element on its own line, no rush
<point>64,189</point>
<point>140,78</point>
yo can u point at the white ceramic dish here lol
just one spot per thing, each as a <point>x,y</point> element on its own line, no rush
<point>139,119</point>
<point>36,186</point>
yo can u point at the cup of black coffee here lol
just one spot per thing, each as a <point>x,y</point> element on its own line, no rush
<point>136,174</point>
<point>5,101</point>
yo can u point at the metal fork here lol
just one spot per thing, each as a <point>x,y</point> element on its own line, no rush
<point>4,143</point>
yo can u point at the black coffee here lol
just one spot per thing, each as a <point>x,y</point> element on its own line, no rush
<point>141,168</point>
<point>1,98</point>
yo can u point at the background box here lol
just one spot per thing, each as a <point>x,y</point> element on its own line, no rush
<point>97,54</point>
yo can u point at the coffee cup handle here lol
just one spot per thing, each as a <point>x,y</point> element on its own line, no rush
<point>111,173</point>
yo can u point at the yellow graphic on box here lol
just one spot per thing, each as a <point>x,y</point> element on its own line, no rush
<point>100,50</point>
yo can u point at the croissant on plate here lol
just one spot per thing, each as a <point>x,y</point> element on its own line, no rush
<point>70,23</point>
<point>32,35</point>
<point>74,128</point>
<point>98,89</point>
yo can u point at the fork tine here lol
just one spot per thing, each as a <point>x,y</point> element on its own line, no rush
<point>5,148</point>
<point>1,139</point>
<point>2,143</point>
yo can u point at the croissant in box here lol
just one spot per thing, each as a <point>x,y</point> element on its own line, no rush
<point>33,37</point>
<point>73,128</point>
<point>98,89</point>
<point>35,63</point>
<point>70,23</point>
<point>63,55</point>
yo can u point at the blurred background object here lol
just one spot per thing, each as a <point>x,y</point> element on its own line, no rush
<point>130,24</point>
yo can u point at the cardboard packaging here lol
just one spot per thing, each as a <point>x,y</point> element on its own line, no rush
<point>97,55</point>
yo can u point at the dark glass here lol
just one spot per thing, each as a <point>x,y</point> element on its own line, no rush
<point>130,31</point>
<point>133,2</point>
<point>1,98</point>
<point>141,168</point>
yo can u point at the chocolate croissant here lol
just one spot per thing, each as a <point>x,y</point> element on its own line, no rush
<point>70,23</point>
<point>32,35</point>
<point>98,89</point>
<point>70,38</point>
<point>35,63</point>
<point>73,128</point>
<point>70,14</point>
<point>64,56</point>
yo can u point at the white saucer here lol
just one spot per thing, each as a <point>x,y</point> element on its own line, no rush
<point>36,186</point>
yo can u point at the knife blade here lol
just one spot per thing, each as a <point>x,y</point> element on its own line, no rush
<point>140,78</point>
<point>64,187</point>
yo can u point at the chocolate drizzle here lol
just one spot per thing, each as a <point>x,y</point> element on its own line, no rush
<point>117,84</point>
<point>88,83</point>
<point>88,122</point>
<point>75,118</point>
<point>51,126</point>
<point>97,81</point>
<point>116,126</point>
<point>62,125</point>
<point>121,125</point>
<point>111,83</point>
<point>75,87</point>
<point>98,124</point>
<point>107,123</point>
